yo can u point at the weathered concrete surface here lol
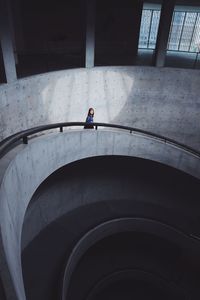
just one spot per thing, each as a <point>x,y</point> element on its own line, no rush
<point>43,155</point>
<point>162,100</point>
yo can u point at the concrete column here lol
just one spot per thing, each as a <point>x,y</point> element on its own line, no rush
<point>163,32</point>
<point>12,27</point>
<point>6,42</point>
<point>137,15</point>
<point>17,27</point>
<point>2,70</point>
<point>90,34</point>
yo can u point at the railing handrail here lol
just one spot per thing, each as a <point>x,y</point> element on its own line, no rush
<point>9,141</point>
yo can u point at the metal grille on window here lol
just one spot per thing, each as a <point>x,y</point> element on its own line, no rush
<point>184,33</point>
<point>149,28</point>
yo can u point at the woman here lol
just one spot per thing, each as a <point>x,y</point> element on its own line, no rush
<point>89,119</point>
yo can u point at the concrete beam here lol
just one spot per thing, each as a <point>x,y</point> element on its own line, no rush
<point>90,34</point>
<point>6,280</point>
<point>163,32</point>
<point>17,27</point>
<point>7,43</point>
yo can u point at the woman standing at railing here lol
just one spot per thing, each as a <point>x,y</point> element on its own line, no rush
<point>89,119</point>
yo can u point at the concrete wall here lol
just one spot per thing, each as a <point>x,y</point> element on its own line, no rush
<point>103,179</point>
<point>43,155</point>
<point>164,101</point>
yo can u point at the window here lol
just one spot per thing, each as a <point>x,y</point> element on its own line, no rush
<point>184,32</point>
<point>149,28</point>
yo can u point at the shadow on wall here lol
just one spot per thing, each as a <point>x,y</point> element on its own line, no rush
<point>2,293</point>
<point>84,194</point>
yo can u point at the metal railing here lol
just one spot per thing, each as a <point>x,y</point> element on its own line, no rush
<point>23,136</point>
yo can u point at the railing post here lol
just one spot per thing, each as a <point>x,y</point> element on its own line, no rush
<point>96,127</point>
<point>25,140</point>
<point>61,129</point>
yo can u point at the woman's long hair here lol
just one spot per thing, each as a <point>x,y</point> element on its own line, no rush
<point>89,114</point>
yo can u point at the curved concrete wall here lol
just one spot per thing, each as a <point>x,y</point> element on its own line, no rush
<point>162,100</point>
<point>99,179</point>
<point>116,226</point>
<point>42,156</point>
<point>103,188</point>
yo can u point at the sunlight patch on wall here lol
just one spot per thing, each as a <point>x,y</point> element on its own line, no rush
<point>69,97</point>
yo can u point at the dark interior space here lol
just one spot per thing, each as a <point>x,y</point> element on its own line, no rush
<point>2,292</point>
<point>49,36</point>
<point>54,35</point>
<point>117,32</point>
<point>129,266</point>
<point>111,188</point>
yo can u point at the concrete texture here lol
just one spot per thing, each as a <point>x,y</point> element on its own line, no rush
<point>136,188</point>
<point>161,100</point>
<point>43,155</point>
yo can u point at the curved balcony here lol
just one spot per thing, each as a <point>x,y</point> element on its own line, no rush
<point>29,164</point>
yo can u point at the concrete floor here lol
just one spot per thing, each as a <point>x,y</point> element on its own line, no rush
<point>173,59</point>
